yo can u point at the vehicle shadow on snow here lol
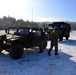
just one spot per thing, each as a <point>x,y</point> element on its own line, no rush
<point>70,42</point>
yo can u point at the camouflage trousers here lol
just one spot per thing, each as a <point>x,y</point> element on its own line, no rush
<point>54,44</point>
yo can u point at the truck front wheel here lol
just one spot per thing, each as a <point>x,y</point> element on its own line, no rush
<point>67,36</point>
<point>16,51</point>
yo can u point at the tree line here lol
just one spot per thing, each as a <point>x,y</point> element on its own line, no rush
<point>6,22</point>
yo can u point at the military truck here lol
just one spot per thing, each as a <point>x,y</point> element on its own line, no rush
<point>18,38</point>
<point>63,27</point>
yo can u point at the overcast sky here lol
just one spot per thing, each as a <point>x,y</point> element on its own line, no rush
<point>39,10</point>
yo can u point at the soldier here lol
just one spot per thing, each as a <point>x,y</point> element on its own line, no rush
<point>54,35</point>
<point>41,49</point>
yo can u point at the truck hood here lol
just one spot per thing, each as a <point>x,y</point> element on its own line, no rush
<point>12,37</point>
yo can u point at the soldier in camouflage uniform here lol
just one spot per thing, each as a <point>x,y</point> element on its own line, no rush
<point>54,35</point>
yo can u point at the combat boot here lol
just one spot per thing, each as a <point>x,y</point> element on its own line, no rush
<point>56,54</point>
<point>49,53</point>
<point>40,52</point>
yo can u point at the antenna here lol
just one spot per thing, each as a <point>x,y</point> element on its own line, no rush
<point>32,14</point>
<point>32,17</point>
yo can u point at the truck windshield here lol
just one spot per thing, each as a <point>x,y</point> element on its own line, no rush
<point>23,31</point>
<point>12,31</point>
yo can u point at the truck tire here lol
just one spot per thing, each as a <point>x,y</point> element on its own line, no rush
<point>61,38</point>
<point>16,51</point>
<point>67,36</point>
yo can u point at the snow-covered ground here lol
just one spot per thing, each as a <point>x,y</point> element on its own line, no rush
<point>33,63</point>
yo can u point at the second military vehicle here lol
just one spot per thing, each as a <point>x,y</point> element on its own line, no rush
<point>63,27</point>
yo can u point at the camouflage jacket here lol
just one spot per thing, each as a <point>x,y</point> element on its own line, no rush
<point>54,35</point>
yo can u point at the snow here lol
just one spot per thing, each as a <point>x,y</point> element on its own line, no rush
<point>34,63</point>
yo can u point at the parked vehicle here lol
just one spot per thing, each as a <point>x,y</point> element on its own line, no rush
<point>64,28</point>
<point>18,38</point>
